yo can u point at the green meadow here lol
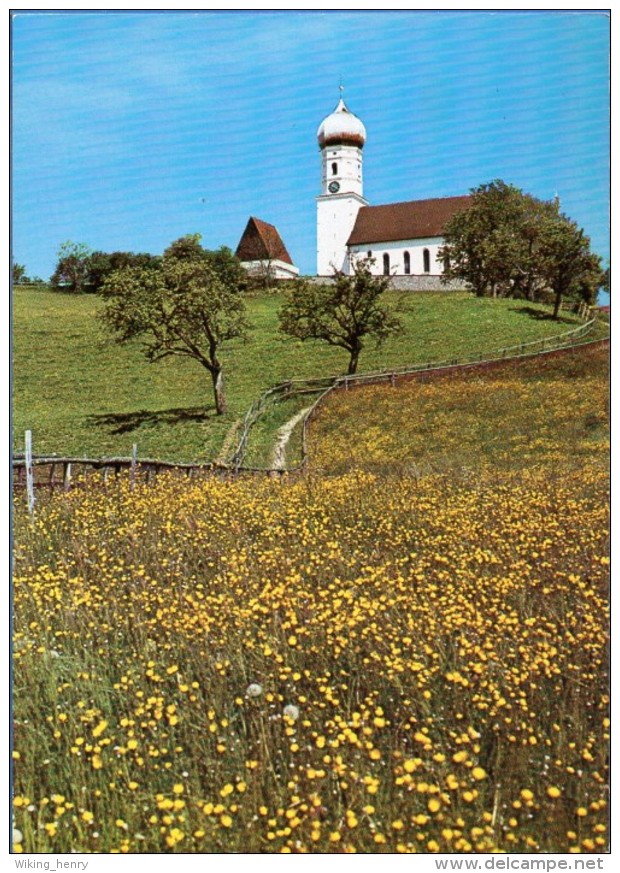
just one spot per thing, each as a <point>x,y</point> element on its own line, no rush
<point>83,395</point>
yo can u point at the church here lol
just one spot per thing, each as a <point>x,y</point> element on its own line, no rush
<point>263,253</point>
<point>403,238</point>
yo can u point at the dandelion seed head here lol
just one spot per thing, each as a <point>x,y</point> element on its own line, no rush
<point>291,711</point>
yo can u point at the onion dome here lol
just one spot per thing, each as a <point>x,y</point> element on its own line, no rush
<point>341,128</point>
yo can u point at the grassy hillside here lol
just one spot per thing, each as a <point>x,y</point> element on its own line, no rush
<point>81,394</point>
<point>541,413</point>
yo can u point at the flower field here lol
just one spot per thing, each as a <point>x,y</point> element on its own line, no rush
<point>546,411</point>
<point>357,660</point>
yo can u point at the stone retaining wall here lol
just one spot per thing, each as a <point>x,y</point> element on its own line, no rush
<point>425,283</point>
<point>409,283</point>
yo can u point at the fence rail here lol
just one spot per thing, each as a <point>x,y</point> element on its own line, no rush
<point>53,471</point>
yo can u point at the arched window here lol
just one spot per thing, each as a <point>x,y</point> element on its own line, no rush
<point>407,261</point>
<point>386,264</point>
<point>334,169</point>
<point>427,260</point>
<point>369,254</point>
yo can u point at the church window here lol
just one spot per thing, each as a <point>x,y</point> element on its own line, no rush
<point>369,254</point>
<point>427,260</point>
<point>386,264</point>
<point>407,261</point>
<point>334,169</point>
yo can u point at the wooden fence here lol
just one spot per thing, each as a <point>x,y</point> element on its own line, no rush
<point>54,470</point>
<point>37,472</point>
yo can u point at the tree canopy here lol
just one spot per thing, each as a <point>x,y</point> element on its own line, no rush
<point>606,279</point>
<point>81,270</point>
<point>18,274</point>
<point>188,305</point>
<point>102,264</point>
<point>342,312</point>
<point>72,269</point>
<point>511,244</point>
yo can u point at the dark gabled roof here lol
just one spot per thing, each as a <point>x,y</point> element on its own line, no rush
<point>413,219</point>
<point>262,242</point>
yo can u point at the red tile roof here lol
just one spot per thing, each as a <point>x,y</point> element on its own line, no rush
<point>262,242</point>
<point>413,219</point>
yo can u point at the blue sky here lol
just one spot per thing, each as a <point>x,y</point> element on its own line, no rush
<point>132,129</point>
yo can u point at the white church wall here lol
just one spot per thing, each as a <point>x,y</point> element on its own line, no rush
<point>396,253</point>
<point>336,216</point>
<point>275,268</point>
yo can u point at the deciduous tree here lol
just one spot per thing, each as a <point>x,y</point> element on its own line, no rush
<point>189,306</point>
<point>18,274</point>
<point>606,280</point>
<point>568,266</point>
<point>72,270</point>
<point>101,264</point>
<point>342,312</point>
<point>511,244</point>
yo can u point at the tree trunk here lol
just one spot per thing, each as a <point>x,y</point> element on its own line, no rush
<point>355,353</point>
<point>558,304</point>
<point>218,391</point>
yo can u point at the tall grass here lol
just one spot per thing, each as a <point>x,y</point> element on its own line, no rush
<point>376,660</point>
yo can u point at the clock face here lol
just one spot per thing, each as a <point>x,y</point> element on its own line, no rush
<point>334,187</point>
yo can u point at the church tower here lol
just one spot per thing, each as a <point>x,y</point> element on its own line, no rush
<point>341,139</point>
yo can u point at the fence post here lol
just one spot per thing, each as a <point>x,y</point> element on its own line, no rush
<point>29,471</point>
<point>67,477</point>
<point>134,459</point>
